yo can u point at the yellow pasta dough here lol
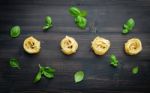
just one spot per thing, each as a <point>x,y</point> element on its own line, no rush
<point>100,45</point>
<point>31,45</point>
<point>133,46</point>
<point>68,45</point>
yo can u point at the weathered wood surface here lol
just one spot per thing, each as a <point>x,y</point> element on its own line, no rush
<point>105,18</point>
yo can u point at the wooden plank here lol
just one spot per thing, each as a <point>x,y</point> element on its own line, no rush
<point>105,18</point>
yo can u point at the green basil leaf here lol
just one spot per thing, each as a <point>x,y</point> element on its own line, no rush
<point>125,26</point>
<point>48,74</point>
<point>113,60</point>
<point>37,77</point>
<point>14,63</point>
<point>135,70</point>
<point>50,70</point>
<point>125,31</point>
<point>81,22</point>
<point>46,27</point>
<point>83,13</point>
<point>130,23</point>
<point>48,23</point>
<point>78,76</point>
<point>74,11</point>
<point>48,20</point>
<point>15,31</point>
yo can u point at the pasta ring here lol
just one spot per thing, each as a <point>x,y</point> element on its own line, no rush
<point>133,46</point>
<point>100,45</point>
<point>31,45</point>
<point>68,45</point>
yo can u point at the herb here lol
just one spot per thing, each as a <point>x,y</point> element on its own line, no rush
<point>48,23</point>
<point>79,16</point>
<point>81,22</point>
<point>14,63</point>
<point>83,13</point>
<point>78,76</point>
<point>135,70</point>
<point>74,11</point>
<point>113,60</point>
<point>44,71</point>
<point>37,77</point>
<point>128,26</point>
<point>15,31</point>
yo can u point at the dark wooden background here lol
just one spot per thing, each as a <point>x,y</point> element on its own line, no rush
<point>105,18</point>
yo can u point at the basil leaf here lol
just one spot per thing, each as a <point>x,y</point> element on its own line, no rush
<point>46,27</point>
<point>15,31</point>
<point>135,70</point>
<point>50,70</point>
<point>130,23</point>
<point>125,31</point>
<point>48,20</point>
<point>78,76</point>
<point>48,23</point>
<point>48,74</point>
<point>113,60</point>
<point>74,11</point>
<point>83,13</point>
<point>81,22</point>
<point>14,63</point>
<point>37,77</point>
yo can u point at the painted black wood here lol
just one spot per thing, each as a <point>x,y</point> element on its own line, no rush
<point>105,18</point>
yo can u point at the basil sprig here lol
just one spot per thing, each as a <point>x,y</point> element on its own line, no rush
<point>15,31</point>
<point>14,63</point>
<point>78,76</point>
<point>128,26</point>
<point>113,60</point>
<point>48,23</point>
<point>48,72</point>
<point>79,16</point>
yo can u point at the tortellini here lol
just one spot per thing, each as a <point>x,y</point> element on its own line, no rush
<point>100,45</point>
<point>68,45</point>
<point>133,46</point>
<point>31,45</point>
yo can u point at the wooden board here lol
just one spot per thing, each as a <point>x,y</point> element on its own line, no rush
<point>105,18</point>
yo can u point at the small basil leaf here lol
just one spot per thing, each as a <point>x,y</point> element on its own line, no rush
<point>135,70</point>
<point>15,31</point>
<point>14,63</point>
<point>125,31</point>
<point>48,74</point>
<point>130,23</point>
<point>83,13</point>
<point>50,70</point>
<point>78,76</point>
<point>81,22</point>
<point>48,23</point>
<point>37,77</point>
<point>46,27</point>
<point>74,11</point>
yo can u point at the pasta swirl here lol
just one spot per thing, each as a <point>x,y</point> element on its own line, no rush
<point>31,45</point>
<point>133,46</point>
<point>100,45</point>
<point>68,45</point>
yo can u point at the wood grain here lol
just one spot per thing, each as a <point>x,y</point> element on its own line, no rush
<point>105,18</point>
